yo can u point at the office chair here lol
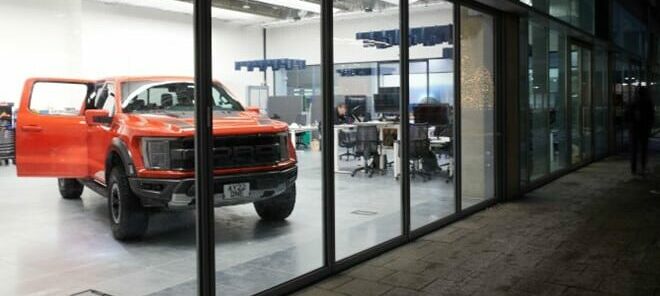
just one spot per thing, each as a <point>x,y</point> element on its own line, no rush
<point>366,146</point>
<point>347,139</point>
<point>418,150</point>
<point>439,116</point>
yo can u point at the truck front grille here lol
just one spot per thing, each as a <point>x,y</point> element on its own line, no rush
<point>235,151</point>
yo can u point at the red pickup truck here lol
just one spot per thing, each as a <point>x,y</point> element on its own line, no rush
<point>130,139</point>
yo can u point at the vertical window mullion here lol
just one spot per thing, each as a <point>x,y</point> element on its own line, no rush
<point>404,77</point>
<point>203,150</point>
<point>327,80</point>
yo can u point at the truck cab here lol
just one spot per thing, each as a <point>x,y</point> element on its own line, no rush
<point>130,139</point>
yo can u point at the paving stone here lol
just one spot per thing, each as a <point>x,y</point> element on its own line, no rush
<point>409,280</point>
<point>408,265</point>
<point>313,291</point>
<point>334,282</point>
<point>369,272</point>
<point>406,292</point>
<point>359,287</point>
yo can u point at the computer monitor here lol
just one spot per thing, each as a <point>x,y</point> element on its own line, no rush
<point>356,105</point>
<point>386,101</point>
<point>431,114</point>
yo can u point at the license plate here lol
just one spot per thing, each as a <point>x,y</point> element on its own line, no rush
<point>236,190</point>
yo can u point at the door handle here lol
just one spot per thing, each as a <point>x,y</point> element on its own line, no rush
<point>31,128</point>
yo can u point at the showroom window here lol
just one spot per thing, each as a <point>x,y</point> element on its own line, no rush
<point>275,144</point>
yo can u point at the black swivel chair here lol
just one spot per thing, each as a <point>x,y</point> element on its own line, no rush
<point>366,146</point>
<point>347,139</point>
<point>419,148</point>
<point>166,100</point>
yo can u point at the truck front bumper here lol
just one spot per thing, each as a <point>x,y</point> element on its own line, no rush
<point>180,193</point>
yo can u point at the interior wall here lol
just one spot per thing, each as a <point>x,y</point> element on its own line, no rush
<point>89,39</point>
<point>39,38</point>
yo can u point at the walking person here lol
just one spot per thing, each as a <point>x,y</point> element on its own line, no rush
<point>639,117</point>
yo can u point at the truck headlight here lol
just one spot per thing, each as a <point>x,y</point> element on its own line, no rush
<point>156,153</point>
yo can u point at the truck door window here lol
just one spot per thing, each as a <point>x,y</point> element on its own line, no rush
<point>56,98</point>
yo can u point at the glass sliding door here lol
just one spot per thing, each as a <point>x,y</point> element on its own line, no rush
<point>432,116</point>
<point>580,103</point>
<point>477,106</point>
<point>267,156</point>
<point>367,128</point>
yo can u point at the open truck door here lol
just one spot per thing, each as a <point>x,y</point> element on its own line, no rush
<point>51,132</point>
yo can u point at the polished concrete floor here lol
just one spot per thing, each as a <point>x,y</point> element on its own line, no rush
<point>52,246</point>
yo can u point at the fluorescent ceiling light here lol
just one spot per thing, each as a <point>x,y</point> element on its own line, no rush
<point>185,7</point>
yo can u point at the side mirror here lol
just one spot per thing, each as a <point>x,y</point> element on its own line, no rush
<point>97,117</point>
<point>253,109</point>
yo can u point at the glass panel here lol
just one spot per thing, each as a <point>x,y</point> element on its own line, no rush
<point>539,144</point>
<point>621,98</point>
<point>576,105</point>
<point>557,101</point>
<point>579,13</point>
<point>580,104</point>
<point>585,85</point>
<point>269,227</point>
<point>600,101</point>
<point>367,162</point>
<point>477,106</point>
<point>112,235</point>
<point>432,116</point>
<point>561,9</point>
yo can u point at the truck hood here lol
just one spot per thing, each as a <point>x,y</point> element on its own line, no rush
<point>224,123</point>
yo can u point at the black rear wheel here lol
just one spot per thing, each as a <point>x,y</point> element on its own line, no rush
<point>128,217</point>
<point>70,188</point>
<point>277,208</point>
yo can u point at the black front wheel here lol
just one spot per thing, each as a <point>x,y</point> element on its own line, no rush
<point>279,207</point>
<point>70,188</point>
<point>128,217</point>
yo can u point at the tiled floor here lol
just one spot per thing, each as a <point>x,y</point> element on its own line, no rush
<point>593,232</point>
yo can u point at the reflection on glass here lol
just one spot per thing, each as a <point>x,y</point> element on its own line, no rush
<point>580,104</point>
<point>539,143</point>
<point>366,128</point>
<point>579,13</point>
<point>600,102</point>
<point>432,118</point>
<point>557,101</point>
<point>477,106</point>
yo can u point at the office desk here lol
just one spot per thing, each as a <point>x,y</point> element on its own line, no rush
<point>299,129</point>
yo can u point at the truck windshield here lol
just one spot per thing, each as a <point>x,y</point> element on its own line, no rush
<point>171,96</point>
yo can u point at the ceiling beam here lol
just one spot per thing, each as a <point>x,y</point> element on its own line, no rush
<point>362,5</point>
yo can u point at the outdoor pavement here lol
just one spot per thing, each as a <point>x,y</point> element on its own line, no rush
<point>593,232</point>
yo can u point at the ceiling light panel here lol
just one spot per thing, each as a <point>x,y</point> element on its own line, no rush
<point>185,7</point>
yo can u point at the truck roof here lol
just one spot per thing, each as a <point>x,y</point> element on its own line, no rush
<point>154,78</point>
